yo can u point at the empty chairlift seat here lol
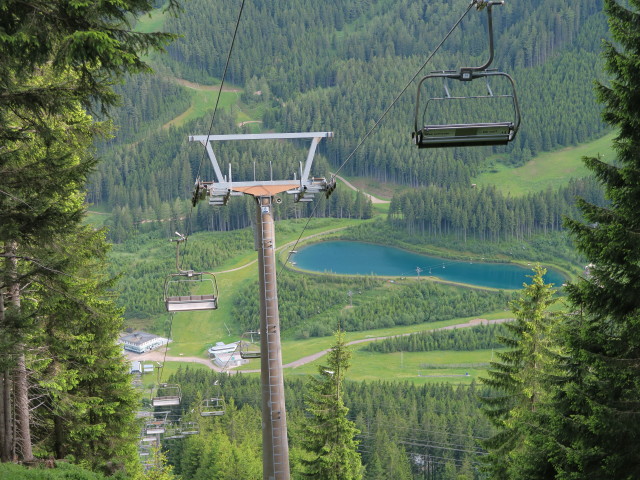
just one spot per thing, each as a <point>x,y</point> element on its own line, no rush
<point>249,345</point>
<point>430,134</point>
<point>469,118</point>
<point>167,395</point>
<point>178,296</point>
<point>212,407</point>
<point>155,428</point>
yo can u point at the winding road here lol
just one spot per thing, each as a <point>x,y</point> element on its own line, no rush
<point>159,356</point>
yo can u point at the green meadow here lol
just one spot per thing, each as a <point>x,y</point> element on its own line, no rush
<point>547,170</point>
<point>202,103</point>
<point>459,367</point>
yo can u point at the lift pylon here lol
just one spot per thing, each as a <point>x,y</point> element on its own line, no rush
<point>275,449</point>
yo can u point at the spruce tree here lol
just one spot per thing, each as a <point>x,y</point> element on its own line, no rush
<point>59,59</point>
<point>597,423</point>
<point>520,379</point>
<point>329,435</point>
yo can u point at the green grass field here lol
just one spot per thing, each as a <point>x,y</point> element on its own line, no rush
<point>96,218</point>
<point>547,170</point>
<point>202,103</point>
<point>416,367</point>
<point>154,22</point>
<point>150,380</point>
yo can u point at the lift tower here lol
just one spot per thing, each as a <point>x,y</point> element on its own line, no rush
<point>275,449</point>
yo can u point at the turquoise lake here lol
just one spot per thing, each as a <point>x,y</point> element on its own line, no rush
<point>357,258</point>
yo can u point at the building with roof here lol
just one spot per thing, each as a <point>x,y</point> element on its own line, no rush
<point>141,342</point>
<point>226,355</point>
<point>220,348</point>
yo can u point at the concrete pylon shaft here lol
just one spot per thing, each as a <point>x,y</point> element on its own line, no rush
<point>275,447</point>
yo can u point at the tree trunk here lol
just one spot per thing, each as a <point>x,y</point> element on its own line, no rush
<point>21,387</point>
<point>6,423</point>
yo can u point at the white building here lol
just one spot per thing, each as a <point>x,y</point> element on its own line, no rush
<point>226,355</point>
<point>135,367</point>
<point>220,348</point>
<point>140,342</point>
<point>229,360</point>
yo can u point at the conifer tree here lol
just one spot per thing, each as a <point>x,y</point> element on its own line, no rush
<point>59,59</point>
<point>597,422</point>
<point>329,435</point>
<point>520,377</point>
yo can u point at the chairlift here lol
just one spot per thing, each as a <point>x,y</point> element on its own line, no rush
<point>249,345</point>
<point>465,133</point>
<point>178,287</point>
<point>188,428</point>
<point>172,432</point>
<point>212,407</point>
<point>167,395</point>
<point>155,428</point>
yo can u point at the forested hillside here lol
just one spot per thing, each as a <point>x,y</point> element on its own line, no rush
<point>79,129</point>
<point>312,307</point>
<point>406,431</point>
<point>306,66</point>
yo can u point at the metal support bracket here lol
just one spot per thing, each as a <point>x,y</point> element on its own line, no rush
<point>303,189</point>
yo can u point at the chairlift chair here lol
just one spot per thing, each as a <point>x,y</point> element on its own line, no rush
<point>172,432</point>
<point>249,345</point>
<point>212,407</point>
<point>155,428</point>
<point>188,428</point>
<point>177,296</point>
<point>167,395</point>
<point>430,134</point>
<point>178,286</point>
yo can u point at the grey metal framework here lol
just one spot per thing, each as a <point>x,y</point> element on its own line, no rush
<point>177,287</point>
<point>212,407</point>
<point>275,449</point>
<point>189,303</point>
<point>249,345</point>
<point>167,395</point>
<point>427,134</point>
<point>303,189</point>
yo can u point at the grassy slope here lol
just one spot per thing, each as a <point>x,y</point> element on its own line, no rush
<point>202,99</point>
<point>549,169</point>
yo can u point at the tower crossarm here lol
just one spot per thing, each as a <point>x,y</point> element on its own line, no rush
<point>224,187</point>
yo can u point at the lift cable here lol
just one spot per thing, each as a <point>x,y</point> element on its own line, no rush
<point>166,347</point>
<point>213,117</point>
<point>384,114</point>
<point>395,100</point>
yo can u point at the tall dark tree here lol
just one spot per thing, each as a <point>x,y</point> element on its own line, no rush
<point>59,59</point>
<point>329,435</point>
<point>598,416</point>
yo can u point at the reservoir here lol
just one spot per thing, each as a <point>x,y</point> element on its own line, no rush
<point>357,258</point>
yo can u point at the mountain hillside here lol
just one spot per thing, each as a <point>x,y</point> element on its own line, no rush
<point>305,66</point>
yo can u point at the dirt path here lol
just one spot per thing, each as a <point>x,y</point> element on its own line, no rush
<point>368,195</point>
<point>242,124</point>
<point>286,245</point>
<point>158,356</point>
<point>470,323</point>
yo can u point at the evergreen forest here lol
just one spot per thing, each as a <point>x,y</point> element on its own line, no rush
<point>385,377</point>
